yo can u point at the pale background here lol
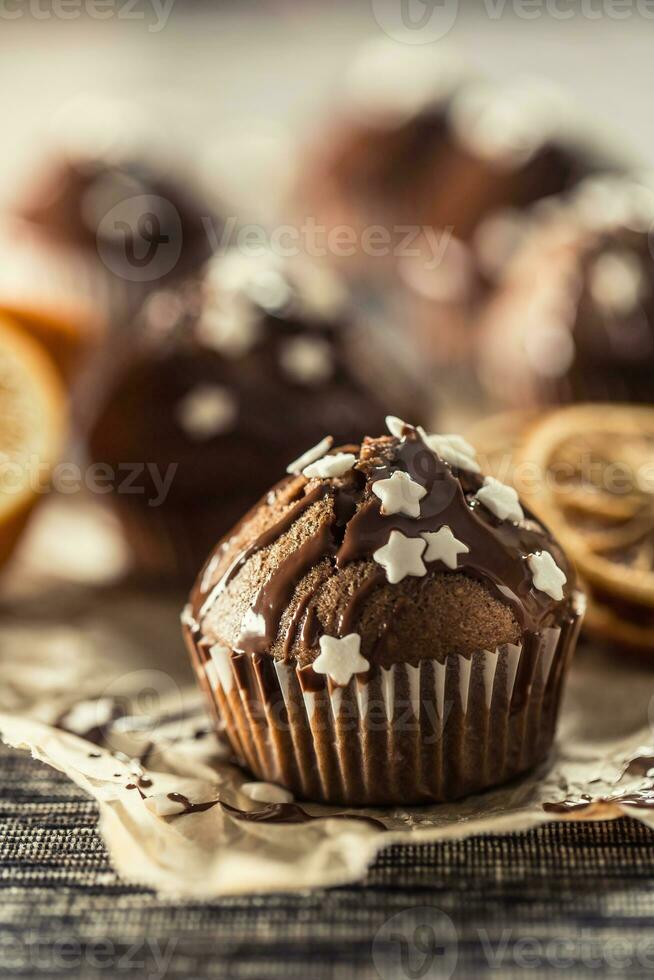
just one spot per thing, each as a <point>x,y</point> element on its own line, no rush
<point>262,71</point>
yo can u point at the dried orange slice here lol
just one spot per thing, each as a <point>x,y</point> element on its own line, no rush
<point>498,440</point>
<point>33,412</point>
<point>53,291</point>
<point>593,483</point>
<point>630,626</point>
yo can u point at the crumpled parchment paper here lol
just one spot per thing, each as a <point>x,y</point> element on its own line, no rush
<point>94,681</point>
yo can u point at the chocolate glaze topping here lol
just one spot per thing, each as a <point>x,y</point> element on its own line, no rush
<point>357,529</point>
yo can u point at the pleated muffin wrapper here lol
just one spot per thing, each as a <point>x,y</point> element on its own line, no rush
<point>412,733</point>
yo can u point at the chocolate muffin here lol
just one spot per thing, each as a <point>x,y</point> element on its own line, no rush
<point>422,141</point>
<point>134,218</point>
<point>386,626</point>
<point>456,159</point>
<point>102,232</point>
<point>574,317</point>
<point>228,376</point>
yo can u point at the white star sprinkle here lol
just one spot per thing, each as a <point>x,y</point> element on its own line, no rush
<point>454,449</point>
<point>443,546</point>
<point>617,282</point>
<point>396,426</point>
<point>399,494</point>
<point>311,455</point>
<point>266,793</point>
<point>401,556</point>
<point>307,360</point>
<point>500,500</point>
<point>335,465</point>
<point>206,411</point>
<point>340,658</point>
<point>548,577</point>
<point>228,325</point>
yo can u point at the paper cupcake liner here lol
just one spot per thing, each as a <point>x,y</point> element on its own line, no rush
<point>407,734</point>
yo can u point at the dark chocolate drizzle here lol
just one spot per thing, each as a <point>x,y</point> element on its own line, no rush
<point>642,799</point>
<point>283,813</point>
<point>641,796</point>
<point>191,807</point>
<point>266,538</point>
<point>292,813</point>
<point>350,614</point>
<point>497,555</point>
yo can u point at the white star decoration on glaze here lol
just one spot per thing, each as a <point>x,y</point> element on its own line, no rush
<point>311,455</point>
<point>340,658</point>
<point>443,546</point>
<point>399,494</point>
<point>266,793</point>
<point>617,282</point>
<point>401,556</point>
<point>206,411</point>
<point>232,331</point>
<point>396,426</point>
<point>307,360</point>
<point>454,449</point>
<point>548,577</point>
<point>500,500</point>
<point>328,466</point>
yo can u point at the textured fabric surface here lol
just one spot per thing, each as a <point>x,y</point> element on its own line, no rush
<point>570,898</point>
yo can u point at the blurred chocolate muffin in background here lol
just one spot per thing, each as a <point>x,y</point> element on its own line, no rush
<point>573,319</point>
<point>100,226</point>
<point>238,369</point>
<point>144,226</point>
<point>450,166</point>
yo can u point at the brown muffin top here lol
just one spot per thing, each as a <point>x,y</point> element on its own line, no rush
<point>400,542</point>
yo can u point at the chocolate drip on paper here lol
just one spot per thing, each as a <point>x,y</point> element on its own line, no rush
<point>137,787</point>
<point>497,549</point>
<point>292,813</point>
<point>639,799</point>
<point>188,806</point>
